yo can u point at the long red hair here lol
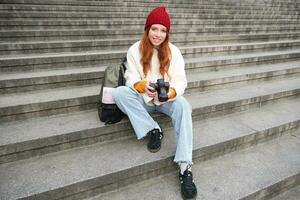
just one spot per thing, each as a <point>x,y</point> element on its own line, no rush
<point>164,54</point>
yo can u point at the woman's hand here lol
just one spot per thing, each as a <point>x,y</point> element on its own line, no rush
<point>150,91</point>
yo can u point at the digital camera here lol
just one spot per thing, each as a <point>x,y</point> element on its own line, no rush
<point>162,88</point>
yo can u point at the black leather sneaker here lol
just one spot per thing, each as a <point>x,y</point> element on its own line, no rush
<point>188,187</point>
<point>155,137</point>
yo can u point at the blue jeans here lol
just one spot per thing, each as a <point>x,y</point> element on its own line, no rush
<point>180,111</point>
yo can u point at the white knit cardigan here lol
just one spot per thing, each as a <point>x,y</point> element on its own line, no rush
<point>176,72</point>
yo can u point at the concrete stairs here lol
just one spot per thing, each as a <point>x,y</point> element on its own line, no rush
<point>242,61</point>
<point>217,177</point>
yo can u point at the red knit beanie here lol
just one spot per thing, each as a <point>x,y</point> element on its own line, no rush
<point>158,15</point>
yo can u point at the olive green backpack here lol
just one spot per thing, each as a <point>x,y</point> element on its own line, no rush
<point>108,111</point>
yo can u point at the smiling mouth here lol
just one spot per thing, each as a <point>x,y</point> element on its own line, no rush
<point>156,40</point>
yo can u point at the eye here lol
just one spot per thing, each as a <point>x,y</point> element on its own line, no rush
<point>153,28</point>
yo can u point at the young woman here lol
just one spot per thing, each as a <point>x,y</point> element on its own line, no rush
<point>150,59</point>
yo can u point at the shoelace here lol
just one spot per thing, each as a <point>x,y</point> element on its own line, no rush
<point>187,178</point>
<point>155,136</point>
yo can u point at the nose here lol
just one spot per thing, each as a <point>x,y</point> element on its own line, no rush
<point>158,33</point>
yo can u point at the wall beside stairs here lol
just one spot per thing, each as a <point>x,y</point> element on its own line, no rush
<point>243,69</point>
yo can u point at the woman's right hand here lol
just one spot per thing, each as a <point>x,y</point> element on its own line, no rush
<point>150,91</point>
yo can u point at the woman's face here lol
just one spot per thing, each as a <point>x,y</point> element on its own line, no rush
<point>157,34</point>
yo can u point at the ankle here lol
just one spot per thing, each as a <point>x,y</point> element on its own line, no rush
<point>184,166</point>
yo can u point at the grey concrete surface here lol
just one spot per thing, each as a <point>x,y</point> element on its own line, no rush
<point>134,23</point>
<point>36,47</point>
<point>252,94</point>
<point>204,39</point>
<point>146,3</point>
<point>292,194</point>
<point>213,14</point>
<point>63,173</point>
<point>233,176</point>
<point>61,60</point>
<point>194,9</point>
<point>28,81</point>
<point>242,61</point>
<point>60,98</point>
<point>119,33</point>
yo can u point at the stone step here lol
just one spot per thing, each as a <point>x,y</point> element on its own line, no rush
<point>102,58</point>
<point>73,129</point>
<point>259,172</point>
<point>121,23</point>
<point>74,34</point>
<point>227,78</point>
<point>291,194</point>
<point>92,45</point>
<point>211,63</point>
<point>199,1</point>
<point>103,11</point>
<point>226,49</point>
<point>41,80</point>
<point>87,171</point>
<point>52,144</point>
<point>179,41</point>
<point>48,102</point>
<point>211,1</point>
<point>265,4</point>
<point>95,15</point>
<point>143,4</point>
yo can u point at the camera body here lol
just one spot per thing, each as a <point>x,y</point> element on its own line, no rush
<point>162,88</point>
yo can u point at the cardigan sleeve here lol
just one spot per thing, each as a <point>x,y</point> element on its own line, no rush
<point>177,72</point>
<point>132,75</point>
